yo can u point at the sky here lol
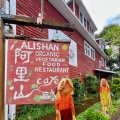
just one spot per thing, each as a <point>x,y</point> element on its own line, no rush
<point>103,12</point>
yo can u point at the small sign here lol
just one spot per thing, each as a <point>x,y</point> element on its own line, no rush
<point>34,69</point>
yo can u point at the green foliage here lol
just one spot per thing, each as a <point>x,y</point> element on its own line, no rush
<point>112,109</point>
<point>111,35</point>
<point>116,80</point>
<point>116,103</point>
<point>92,96</point>
<point>34,111</point>
<point>117,74</point>
<point>111,62</point>
<point>115,88</point>
<point>109,51</point>
<point>93,113</point>
<point>92,83</point>
<point>79,90</point>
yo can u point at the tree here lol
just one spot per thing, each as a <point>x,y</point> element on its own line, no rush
<point>111,35</point>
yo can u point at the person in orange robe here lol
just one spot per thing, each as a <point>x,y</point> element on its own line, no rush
<point>64,103</point>
<point>105,95</point>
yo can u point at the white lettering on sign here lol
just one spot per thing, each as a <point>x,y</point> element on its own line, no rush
<point>42,59</point>
<point>45,53</point>
<point>53,69</point>
<point>50,64</point>
<point>20,95</point>
<point>23,55</point>
<point>47,82</point>
<point>21,72</point>
<point>56,59</point>
<point>39,46</point>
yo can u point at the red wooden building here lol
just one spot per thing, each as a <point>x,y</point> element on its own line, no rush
<point>89,56</point>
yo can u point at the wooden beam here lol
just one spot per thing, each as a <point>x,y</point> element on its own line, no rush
<point>2,64</point>
<point>32,21</point>
<point>22,37</point>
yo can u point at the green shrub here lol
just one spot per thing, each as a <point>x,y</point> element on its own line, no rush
<point>93,113</point>
<point>117,74</point>
<point>115,88</point>
<point>116,80</point>
<point>92,96</point>
<point>92,83</point>
<point>79,90</point>
<point>34,111</point>
<point>116,103</point>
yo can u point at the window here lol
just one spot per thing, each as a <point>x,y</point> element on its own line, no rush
<point>91,32</point>
<point>92,53</point>
<point>85,23</point>
<point>89,51</point>
<point>81,17</point>
<point>85,46</point>
<point>102,61</point>
<point>83,20</point>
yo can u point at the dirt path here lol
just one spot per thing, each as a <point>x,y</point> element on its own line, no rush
<point>80,107</point>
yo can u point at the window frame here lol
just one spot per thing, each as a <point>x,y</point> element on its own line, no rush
<point>89,51</point>
<point>85,22</point>
<point>81,17</point>
<point>91,32</point>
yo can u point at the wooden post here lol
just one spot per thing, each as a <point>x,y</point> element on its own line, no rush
<point>42,8</point>
<point>2,64</point>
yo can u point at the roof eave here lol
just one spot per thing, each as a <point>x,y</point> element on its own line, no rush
<point>107,71</point>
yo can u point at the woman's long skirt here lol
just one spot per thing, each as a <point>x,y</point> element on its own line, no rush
<point>66,114</point>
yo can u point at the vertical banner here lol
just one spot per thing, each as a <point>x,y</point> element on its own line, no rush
<point>34,69</point>
<point>73,54</point>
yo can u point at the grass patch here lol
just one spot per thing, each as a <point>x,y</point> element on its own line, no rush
<point>94,112</point>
